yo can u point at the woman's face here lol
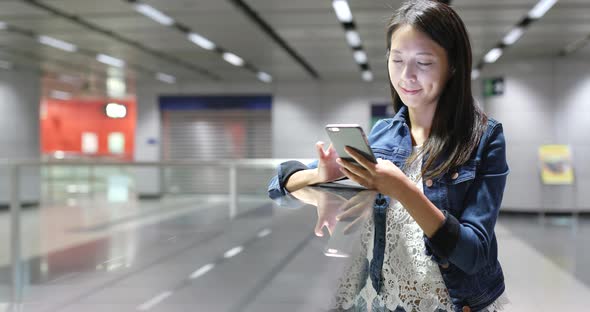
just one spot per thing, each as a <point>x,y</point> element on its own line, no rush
<point>418,67</point>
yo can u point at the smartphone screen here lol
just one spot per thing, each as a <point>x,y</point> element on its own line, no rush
<point>351,135</point>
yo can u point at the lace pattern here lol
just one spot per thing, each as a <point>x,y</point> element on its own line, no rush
<point>412,280</point>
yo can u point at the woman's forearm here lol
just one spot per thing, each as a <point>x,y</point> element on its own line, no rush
<point>301,179</point>
<point>422,210</point>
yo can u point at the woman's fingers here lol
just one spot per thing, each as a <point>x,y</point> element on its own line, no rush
<point>354,169</point>
<point>365,163</point>
<point>320,149</point>
<point>331,150</point>
<point>358,179</point>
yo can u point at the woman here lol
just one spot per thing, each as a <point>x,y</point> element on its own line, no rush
<point>440,176</point>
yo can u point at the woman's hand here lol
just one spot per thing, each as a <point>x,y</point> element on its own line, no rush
<point>357,210</point>
<point>384,176</point>
<point>328,169</point>
<point>329,205</point>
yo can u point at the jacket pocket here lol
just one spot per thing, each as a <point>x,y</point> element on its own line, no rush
<point>457,183</point>
<point>464,173</point>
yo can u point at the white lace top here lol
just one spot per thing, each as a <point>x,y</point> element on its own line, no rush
<point>412,279</point>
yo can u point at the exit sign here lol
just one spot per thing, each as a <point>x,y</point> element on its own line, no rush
<point>493,86</point>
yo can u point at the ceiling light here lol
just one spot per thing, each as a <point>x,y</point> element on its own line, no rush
<point>114,110</point>
<point>367,75</point>
<point>109,60</point>
<point>493,55</point>
<point>264,77</point>
<point>201,41</point>
<point>58,44</point>
<point>154,14</point>
<point>541,8</point>
<point>353,38</point>
<point>166,78</point>
<point>360,57</point>
<point>233,59</point>
<point>342,11</point>
<point>513,36</point>
<point>475,74</point>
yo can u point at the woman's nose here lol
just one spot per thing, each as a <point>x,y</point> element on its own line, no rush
<point>409,73</point>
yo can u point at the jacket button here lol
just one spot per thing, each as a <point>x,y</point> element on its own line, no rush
<point>429,183</point>
<point>466,309</point>
<point>455,175</point>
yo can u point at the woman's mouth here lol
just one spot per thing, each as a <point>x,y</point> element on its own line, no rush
<point>410,92</point>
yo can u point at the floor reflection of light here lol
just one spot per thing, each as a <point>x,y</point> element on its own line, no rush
<point>200,272</point>
<point>264,233</point>
<point>334,253</point>
<point>118,189</point>
<point>232,252</point>
<point>154,301</point>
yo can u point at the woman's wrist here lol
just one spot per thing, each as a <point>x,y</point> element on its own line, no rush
<point>314,176</point>
<point>303,178</point>
<point>404,190</point>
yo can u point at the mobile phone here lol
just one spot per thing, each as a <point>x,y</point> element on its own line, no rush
<point>351,135</point>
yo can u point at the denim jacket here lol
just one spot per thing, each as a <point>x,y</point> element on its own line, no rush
<point>465,247</point>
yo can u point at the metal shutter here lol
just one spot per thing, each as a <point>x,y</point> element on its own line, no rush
<point>215,134</point>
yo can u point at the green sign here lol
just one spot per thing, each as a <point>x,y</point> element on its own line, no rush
<point>493,86</point>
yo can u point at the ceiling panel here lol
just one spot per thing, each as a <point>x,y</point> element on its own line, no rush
<point>310,27</point>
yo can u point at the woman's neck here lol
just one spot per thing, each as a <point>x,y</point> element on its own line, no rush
<point>421,123</point>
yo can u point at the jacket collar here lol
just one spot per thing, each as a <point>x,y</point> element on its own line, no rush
<point>402,114</point>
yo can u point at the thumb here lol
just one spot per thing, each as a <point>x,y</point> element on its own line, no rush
<point>320,148</point>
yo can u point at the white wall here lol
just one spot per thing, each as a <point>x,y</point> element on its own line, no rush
<point>545,102</point>
<point>19,130</point>
<point>301,111</point>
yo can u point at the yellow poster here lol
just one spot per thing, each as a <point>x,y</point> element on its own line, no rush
<point>556,164</point>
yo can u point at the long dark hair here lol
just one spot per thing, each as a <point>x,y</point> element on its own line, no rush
<point>458,122</point>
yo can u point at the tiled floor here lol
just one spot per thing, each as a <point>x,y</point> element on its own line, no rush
<point>186,254</point>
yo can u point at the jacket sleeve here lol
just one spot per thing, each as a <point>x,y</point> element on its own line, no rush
<point>466,241</point>
<point>276,185</point>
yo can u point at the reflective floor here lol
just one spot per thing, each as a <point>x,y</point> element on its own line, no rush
<point>186,254</point>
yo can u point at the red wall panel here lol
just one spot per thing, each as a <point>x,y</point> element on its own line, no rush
<point>63,122</point>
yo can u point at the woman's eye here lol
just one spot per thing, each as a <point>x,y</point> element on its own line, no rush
<point>424,64</point>
<point>396,61</point>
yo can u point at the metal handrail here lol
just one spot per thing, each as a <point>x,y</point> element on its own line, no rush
<point>15,204</point>
<point>252,163</point>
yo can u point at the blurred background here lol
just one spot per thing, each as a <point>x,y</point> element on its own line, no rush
<point>137,139</point>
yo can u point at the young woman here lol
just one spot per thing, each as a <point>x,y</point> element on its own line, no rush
<point>440,175</point>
